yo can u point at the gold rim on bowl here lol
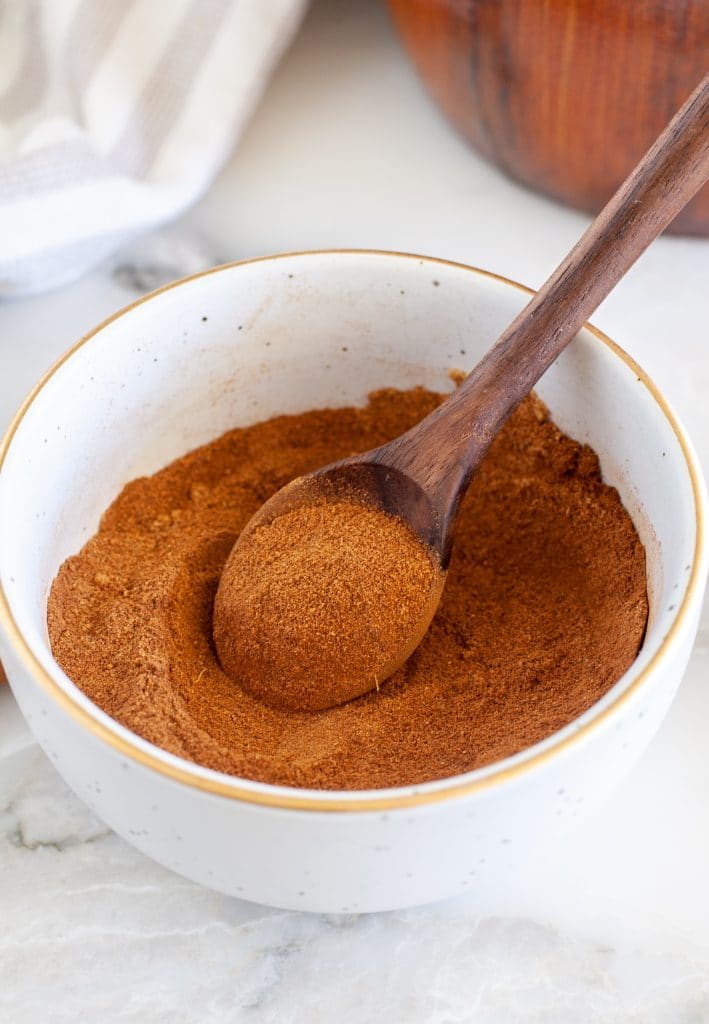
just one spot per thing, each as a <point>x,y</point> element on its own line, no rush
<point>287,798</point>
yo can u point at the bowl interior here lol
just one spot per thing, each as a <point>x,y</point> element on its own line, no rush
<point>289,334</point>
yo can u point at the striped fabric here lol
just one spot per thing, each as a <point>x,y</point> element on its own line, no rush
<point>115,115</point>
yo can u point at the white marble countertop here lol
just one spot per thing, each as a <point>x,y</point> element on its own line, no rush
<point>346,150</point>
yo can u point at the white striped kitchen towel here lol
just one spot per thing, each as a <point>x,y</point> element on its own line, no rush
<point>115,115</point>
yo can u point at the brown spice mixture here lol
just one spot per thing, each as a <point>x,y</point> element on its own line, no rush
<point>544,607</point>
<point>314,605</point>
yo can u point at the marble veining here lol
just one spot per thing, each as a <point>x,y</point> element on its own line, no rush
<point>108,930</point>
<point>82,908</point>
<point>159,258</point>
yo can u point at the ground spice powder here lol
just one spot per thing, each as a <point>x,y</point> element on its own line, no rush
<point>314,605</point>
<point>544,608</point>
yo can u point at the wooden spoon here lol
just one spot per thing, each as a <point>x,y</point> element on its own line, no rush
<point>422,475</point>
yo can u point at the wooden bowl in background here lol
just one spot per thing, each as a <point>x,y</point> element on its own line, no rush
<point>565,95</point>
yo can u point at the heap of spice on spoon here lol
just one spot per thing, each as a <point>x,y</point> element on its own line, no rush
<point>334,582</point>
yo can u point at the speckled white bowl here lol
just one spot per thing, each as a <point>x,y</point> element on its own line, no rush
<point>286,334</point>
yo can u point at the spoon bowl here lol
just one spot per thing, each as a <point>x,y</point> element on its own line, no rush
<point>365,481</point>
<point>250,648</point>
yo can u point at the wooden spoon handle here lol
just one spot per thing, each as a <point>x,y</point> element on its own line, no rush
<point>442,452</point>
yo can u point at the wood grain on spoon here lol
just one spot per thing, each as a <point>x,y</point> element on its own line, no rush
<point>443,451</point>
<point>421,476</point>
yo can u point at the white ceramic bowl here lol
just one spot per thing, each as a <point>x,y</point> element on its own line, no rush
<point>242,343</point>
